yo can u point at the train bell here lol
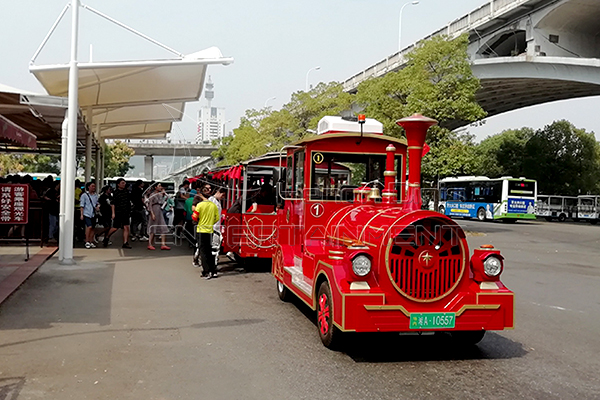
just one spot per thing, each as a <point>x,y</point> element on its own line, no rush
<point>374,194</point>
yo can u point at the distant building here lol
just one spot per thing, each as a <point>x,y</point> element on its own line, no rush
<point>211,120</point>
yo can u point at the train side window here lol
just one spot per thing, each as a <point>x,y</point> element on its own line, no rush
<point>289,176</point>
<point>298,174</point>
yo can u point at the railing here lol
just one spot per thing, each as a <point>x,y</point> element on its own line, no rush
<point>476,18</point>
<point>34,231</point>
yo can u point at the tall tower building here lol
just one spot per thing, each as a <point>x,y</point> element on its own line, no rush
<point>211,120</point>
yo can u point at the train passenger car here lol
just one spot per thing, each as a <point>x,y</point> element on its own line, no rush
<point>371,261</point>
<point>249,208</point>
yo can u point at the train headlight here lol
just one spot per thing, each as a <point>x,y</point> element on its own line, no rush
<point>492,266</point>
<point>361,265</point>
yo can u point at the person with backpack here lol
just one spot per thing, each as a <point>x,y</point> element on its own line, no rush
<point>89,207</point>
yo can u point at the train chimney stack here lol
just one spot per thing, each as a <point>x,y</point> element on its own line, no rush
<point>416,127</point>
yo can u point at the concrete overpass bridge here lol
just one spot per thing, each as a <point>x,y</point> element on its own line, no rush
<point>151,149</point>
<point>525,52</point>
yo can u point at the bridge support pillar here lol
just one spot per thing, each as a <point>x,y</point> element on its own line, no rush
<point>149,167</point>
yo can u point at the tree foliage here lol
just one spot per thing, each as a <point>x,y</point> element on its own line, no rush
<point>437,82</point>
<point>563,159</point>
<point>116,159</point>
<point>265,130</point>
<point>33,163</point>
<point>503,154</point>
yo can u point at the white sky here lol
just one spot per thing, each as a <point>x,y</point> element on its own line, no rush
<point>274,44</point>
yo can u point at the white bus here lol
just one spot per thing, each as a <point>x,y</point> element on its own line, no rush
<point>588,208</point>
<point>480,197</point>
<point>556,207</point>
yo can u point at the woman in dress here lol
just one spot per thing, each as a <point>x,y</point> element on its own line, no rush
<point>156,222</point>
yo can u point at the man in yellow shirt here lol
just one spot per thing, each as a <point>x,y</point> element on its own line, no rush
<point>207,215</point>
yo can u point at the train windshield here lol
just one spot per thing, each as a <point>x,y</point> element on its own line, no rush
<point>334,176</point>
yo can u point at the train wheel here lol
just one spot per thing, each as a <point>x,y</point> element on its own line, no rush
<point>562,218</point>
<point>329,334</point>
<point>283,292</point>
<point>481,214</point>
<point>467,338</point>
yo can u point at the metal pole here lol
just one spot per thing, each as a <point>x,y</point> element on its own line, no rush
<point>101,144</point>
<point>69,178</point>
<point>414,3</point>
<point>98,160</point>
<point>63,172</point>
<point>312,69</point>
<point>88,146</point>
<point>39,49</point>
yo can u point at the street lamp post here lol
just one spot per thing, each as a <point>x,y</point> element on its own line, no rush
<point>269,99</point>
<point>312,69</point>
<point>413,3</point>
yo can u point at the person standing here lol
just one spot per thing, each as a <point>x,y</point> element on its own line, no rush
<point>189,228</point>
<point>89,207</point>
<point>80,229</point>
<point>217,236</point>
<point>207,214</point>
<point>122,212</point>
<point>181,196</point>
<point>156,222</point>
<point>138,212</point>
<point>52,202</point>
<point>106,211</point>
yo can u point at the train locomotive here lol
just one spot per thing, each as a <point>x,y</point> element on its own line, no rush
<point>371,260</point>
<point>346,234</point>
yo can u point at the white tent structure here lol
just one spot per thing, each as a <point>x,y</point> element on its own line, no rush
<point>126,100</point>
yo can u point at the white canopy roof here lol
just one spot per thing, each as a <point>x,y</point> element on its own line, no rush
<point>134,93</point>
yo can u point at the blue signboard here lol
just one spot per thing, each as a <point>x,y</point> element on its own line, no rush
<point>520,206</point>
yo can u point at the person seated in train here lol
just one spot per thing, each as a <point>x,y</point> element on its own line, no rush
<point>264,201</point>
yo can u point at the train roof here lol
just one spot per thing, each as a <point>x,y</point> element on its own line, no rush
<point>265,159</point>
<point>348,135</point>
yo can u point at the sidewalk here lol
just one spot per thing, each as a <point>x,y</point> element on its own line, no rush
<point>14,270</point>
<point>140,324</point>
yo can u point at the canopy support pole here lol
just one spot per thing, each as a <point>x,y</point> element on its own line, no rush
<point>88,146</point>
<point>68,179</point>
<point>149,167</point>
<point>63,171</point>
<point>98,161</point>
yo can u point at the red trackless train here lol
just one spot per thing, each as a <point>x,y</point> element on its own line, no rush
<point>350,239</point>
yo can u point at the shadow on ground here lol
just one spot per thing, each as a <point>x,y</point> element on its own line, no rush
<point>394,347</point>
<point>10,388</point>
<point>78,293</point>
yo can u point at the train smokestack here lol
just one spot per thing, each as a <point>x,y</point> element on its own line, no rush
<point>416,127</point>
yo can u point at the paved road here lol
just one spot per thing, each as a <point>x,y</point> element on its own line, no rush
<point>125,326</point>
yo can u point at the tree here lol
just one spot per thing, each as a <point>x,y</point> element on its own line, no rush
<point>34,163</point>
<point>503,154</point>
<point>563,159</point>
<point>9,164</point>
<point>41,163</point>
<point>454,155</point>
<point>262,131</point>
<point>116,159</point>
<point>437,82</point>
